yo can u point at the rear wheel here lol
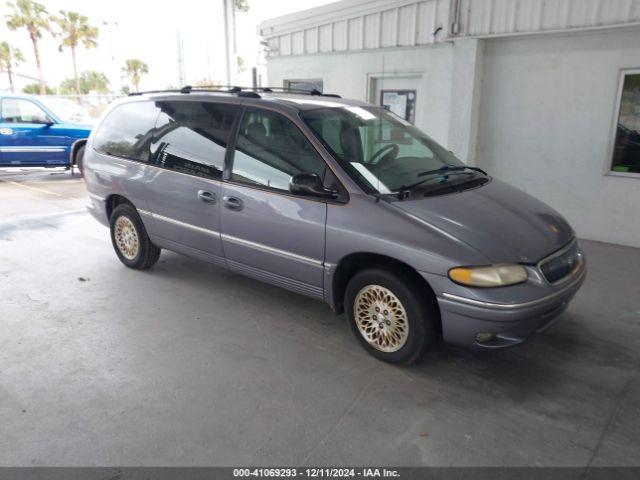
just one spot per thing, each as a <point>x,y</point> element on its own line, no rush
<point>130,239</point>
<point>390,315</point>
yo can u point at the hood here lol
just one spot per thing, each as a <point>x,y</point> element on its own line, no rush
<point>502,222</point>
<point>77,130</point>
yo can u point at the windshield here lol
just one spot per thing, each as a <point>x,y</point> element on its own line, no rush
<point>67,110</point>
<point>385,152</point>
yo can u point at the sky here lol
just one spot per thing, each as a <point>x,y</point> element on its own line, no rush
<point>148,30</point>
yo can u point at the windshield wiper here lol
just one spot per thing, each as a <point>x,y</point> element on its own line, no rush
<point>405,190</point>
<point>451,168</point>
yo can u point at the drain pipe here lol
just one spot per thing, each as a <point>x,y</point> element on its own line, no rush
<point>455,25</point>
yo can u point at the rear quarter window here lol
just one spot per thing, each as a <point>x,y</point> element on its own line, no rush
<point>127,131</point>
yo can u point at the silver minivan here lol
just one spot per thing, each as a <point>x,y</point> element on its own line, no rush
<point>338,200</point>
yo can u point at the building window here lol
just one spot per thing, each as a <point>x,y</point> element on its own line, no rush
<point>626,148</point>
<point>306,85</point>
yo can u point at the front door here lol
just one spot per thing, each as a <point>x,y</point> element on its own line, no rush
<point>267,232</point>
<point>29,136</point>
<point>188,153</point>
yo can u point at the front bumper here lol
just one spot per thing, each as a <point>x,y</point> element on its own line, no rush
<point>510,323</point>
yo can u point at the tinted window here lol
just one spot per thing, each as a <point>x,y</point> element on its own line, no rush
<point>127,131</point>
<point>15,110</point>
<point>191,137</point>
<point>270,150</point>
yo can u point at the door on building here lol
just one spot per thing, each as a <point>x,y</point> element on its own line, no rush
<point>398,94</point>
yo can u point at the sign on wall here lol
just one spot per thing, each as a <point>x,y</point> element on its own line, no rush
<point>400,102</point>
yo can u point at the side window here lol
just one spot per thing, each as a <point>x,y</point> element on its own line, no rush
<point>126,132</point>
<point>270,150</point>
<point>17,110</point>
<point>191,137</point>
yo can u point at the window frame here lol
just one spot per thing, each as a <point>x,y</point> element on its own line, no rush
<point>47,112</point>
<point>99,126</point>
<point>286,83</point>
<point>230,140</point>
<point>343,197</point>
<point>608,167</point>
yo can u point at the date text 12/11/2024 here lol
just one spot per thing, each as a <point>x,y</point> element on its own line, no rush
<point>324,472</point>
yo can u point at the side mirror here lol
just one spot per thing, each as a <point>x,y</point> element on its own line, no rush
<point>310,184</point>
<point>48,121</point>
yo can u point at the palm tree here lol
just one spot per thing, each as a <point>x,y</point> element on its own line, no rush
<point>34,18</point>
<point>134,69</point>
<point>75,30</point>
<point>9,58</point>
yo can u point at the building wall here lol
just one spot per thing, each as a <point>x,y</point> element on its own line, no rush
<point>350,74</point>
<point>547,108</point>
<point>535,110</point>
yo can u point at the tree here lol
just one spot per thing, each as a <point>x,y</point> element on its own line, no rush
<point>205,82</point>
<point>242,5</point>
<point>75,30</point>
<point>134,69</point>
<point>33,17</point>
<point>34,89</point>
<point>94,81</point>
<point>90,81</point>
<point>9,58</point>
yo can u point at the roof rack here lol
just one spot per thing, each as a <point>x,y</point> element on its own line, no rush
<point>251,92</point>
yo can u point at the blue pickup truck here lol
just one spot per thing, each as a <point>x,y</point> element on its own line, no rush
<point>32,135</point>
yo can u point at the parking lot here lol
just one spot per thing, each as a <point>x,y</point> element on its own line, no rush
<point>187,364</point>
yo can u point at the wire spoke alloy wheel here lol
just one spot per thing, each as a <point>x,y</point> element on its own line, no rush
<point>381,318</point>
<point>126,237</point>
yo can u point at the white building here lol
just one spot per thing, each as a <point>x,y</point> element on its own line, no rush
<point>544,94</point>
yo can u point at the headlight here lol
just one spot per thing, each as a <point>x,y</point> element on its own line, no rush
<point>489,276</point>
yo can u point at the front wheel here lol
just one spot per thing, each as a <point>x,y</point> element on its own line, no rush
<point>390,315</point>
<point>130,239</point>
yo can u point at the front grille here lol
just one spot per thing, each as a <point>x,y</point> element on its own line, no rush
<point>562,264</point>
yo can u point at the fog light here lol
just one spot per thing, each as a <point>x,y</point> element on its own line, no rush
<point>485,337</point>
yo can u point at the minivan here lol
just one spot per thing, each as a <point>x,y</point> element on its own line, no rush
<point>338,200</point>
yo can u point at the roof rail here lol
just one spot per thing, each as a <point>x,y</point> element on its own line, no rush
<point>189,88</point>
<point>251,92</point>
<point>300,91</point>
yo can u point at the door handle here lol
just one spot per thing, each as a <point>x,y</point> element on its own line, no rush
<point>6,131</point>
<point>232,203</point>
<point>206,197</point>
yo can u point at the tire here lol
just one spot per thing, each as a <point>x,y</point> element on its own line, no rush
<point>130,239</point>
<point>78,159</point>
<point>402,335</point>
